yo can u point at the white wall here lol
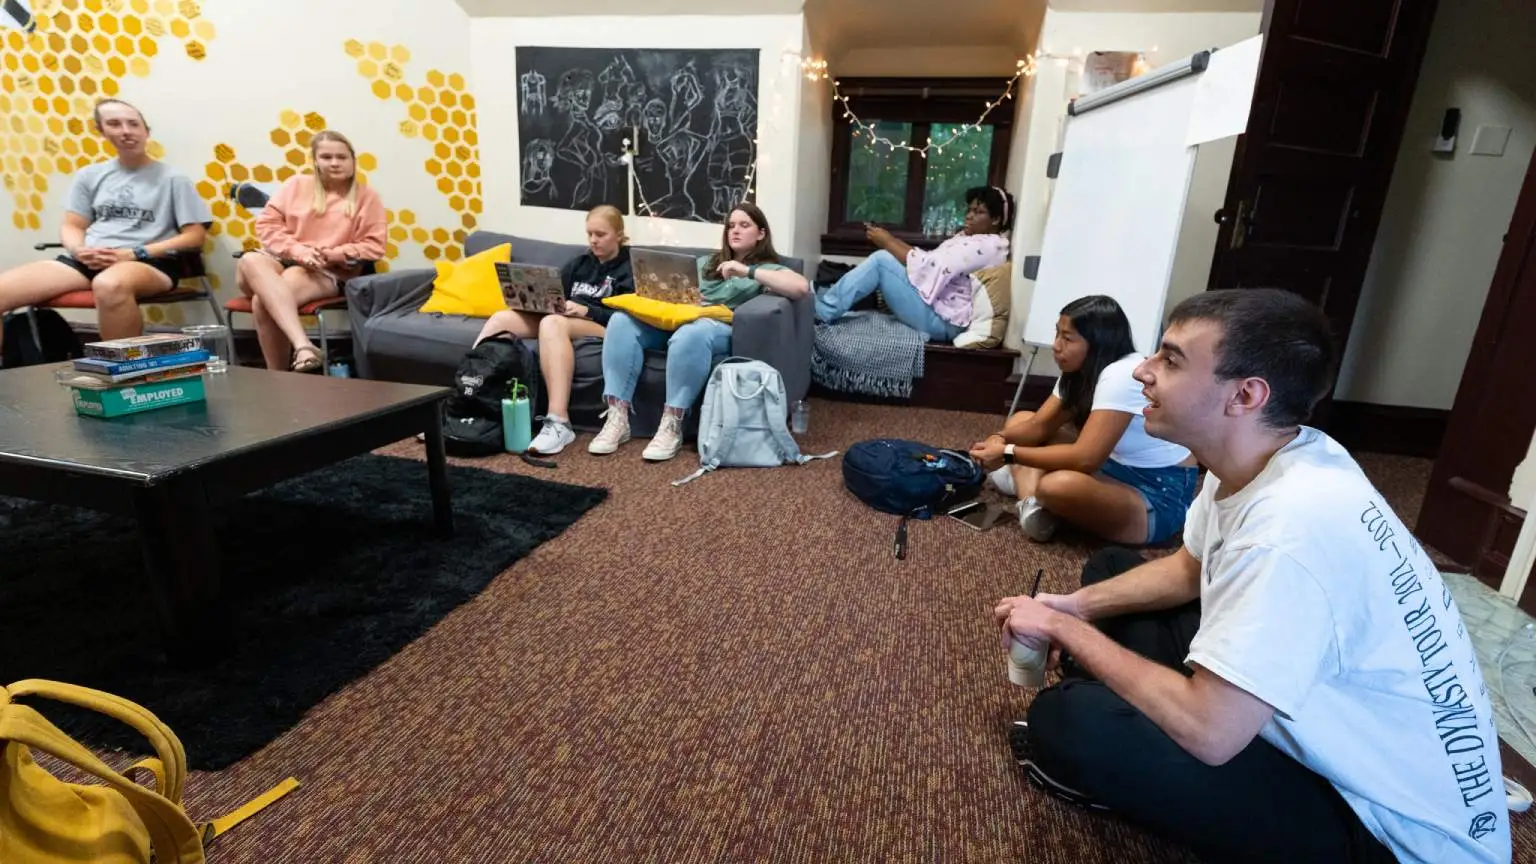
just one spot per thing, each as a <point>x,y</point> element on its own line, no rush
<point>1163,38</point>
<point>813,164</point>
<point>231,98</point>
<point>1442,227</point>
<point>938,61</point>
<point>780,38</point>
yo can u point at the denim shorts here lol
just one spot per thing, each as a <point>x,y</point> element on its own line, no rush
<point>1167,492</point>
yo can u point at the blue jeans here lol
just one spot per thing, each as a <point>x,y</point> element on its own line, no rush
<point>691,350</point>
<point>1167,492</point>
<point>882,271</point>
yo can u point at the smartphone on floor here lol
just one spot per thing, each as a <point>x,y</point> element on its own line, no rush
<point>976,515</point>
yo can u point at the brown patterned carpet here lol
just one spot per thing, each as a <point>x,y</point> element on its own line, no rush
<point>735,670</point>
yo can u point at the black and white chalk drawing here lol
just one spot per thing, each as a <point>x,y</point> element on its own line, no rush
<point>530,91</point>
<point>694,112</point>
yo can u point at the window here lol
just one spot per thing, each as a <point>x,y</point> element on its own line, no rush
<point>877,181</point>
<point>918,199</point>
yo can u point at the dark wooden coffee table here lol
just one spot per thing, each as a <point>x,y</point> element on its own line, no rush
<point>169,467</point>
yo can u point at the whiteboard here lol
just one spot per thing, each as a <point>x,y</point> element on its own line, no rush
<point>1115,210</point>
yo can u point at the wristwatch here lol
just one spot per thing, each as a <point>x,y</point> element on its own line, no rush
<point>752,271</point>
<point>140,253</point>
<point>1008,453</point>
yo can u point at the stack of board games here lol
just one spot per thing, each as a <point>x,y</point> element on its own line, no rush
<point>126,376</point>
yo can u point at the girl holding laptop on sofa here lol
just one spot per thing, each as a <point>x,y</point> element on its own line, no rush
<point>1112,479</point>
<point>745,267</point>
<point>601,271</point>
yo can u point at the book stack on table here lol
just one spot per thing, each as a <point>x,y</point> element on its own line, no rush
<point>126,376</point>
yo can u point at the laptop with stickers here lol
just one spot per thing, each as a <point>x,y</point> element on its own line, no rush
<point>670,277</point>
<point>531,287</point>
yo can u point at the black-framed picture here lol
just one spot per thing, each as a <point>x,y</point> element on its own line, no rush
<point>692,114</point>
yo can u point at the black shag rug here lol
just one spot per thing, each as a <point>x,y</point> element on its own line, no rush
<point>326,576</point>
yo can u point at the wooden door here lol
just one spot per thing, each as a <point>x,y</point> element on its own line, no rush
<point>1311,172</point>
<point>1494,415</point>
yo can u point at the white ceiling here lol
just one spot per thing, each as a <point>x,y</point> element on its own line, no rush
<point>1160,5</point>
<point>843,25</point>
<point>545,8</point>
<point>840,25</point>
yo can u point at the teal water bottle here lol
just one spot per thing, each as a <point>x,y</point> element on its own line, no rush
<point>516,418</point>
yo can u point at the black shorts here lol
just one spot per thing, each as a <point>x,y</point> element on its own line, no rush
<point>167,265</point>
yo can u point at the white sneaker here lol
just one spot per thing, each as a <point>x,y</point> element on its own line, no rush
<point>1002,481</point>
<point>555,436</point>
<point>668,440</point>
<point>1038,523</point>
<point>615,431</point>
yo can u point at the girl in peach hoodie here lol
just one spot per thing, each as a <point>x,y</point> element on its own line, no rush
<point>314,234</point>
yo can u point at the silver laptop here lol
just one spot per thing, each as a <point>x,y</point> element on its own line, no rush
<point>671,277</point>
<point>531,287</point>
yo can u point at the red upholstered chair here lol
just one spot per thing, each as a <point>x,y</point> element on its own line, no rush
<point>193,288</point>
<point>317,308</point>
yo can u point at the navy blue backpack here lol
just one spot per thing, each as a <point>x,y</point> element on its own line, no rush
<point>909,479</point>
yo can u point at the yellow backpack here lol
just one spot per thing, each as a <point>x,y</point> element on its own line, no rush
<point>44,820</point>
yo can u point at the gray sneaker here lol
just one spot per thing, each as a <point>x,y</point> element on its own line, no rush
<point>615,431</point>
<point>1038,523</point>
<point>554,437</point>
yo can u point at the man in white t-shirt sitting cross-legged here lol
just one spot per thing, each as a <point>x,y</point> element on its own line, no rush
<point>1295,682</point>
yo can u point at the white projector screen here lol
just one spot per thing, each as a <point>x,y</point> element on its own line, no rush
<point>1115,210</point>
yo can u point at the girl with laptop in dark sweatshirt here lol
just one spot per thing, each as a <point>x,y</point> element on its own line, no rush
<point>601,271</point>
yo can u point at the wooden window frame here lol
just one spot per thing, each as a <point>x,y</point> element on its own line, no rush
<point>921,102</point>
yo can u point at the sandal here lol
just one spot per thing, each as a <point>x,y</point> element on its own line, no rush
<point>305,364</point>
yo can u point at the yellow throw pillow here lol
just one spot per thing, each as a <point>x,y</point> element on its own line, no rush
<point>663,315</point>
<point>469,287</point>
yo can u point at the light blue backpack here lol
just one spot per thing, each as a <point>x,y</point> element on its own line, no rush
<point>742,424</point>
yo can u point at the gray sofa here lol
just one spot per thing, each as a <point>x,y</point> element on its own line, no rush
<point>393,341</point>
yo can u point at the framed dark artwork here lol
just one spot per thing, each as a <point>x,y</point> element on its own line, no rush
<point>691,113</point>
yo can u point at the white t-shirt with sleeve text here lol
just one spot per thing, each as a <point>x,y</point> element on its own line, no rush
<point>1316,599</point>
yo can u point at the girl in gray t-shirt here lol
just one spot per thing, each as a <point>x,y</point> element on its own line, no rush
<point>125,222</point>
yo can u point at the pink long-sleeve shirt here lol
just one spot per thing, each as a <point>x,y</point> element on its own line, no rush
<point>289,226</point>
<point>942,276</point>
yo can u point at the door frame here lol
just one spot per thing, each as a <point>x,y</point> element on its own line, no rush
<point>1492,330</point>
<point>1522,559</point>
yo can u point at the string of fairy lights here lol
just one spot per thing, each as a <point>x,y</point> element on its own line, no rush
<point>816,70</point>
<point>869,133</point>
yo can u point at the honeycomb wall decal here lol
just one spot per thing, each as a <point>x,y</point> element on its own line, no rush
<point>292,137</point>
<point>441,111</point>
<point>80,51</point>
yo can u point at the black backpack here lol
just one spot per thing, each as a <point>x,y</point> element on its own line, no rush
<point>58,338</point>
<point>909,479</point>
<point>472,417</point>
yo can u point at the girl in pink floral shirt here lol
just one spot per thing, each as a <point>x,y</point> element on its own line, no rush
<point>929,291</point>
